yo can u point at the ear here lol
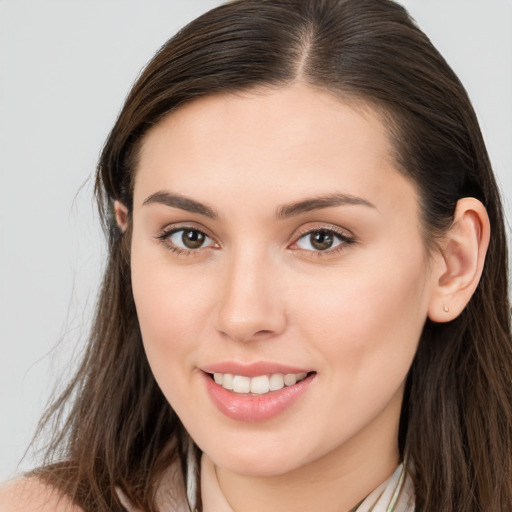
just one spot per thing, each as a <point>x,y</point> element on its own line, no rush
<point>459,263</point>
<point>121,214</point>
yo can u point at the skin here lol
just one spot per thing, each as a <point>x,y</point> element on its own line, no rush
<point>258,291</point>
<point>31,495</point>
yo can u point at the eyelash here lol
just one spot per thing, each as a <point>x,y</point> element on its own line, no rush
<point>343,239</point>
<point>165,236</point>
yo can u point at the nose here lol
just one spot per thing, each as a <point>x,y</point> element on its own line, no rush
<point>250,305</point>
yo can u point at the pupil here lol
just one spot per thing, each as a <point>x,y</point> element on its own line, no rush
<point>192,239</point>
<point>321,240</point>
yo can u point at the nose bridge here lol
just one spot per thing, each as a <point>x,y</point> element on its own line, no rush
<point>250,305</point>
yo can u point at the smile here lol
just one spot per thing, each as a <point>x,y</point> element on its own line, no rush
<point>258,385</point>
<point>259,397</point>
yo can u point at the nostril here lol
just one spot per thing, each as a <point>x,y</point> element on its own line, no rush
<point>263,333</point>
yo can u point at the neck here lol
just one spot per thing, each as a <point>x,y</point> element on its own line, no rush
<point>334,482</point>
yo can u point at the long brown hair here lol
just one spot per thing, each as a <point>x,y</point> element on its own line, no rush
<point>456,423</point>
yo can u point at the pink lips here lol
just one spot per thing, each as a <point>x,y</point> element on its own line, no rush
<point>253,369</point>
<point>254,408</point>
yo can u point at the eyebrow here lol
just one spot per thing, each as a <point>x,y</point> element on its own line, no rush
<point>181,202</point>
<point>283,212</point>
<point>320,202</point>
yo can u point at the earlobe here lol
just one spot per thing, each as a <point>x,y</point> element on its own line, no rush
<point>460,261</point>
<point>121,214</point>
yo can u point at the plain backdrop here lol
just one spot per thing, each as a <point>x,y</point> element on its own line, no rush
<point>65,68</point>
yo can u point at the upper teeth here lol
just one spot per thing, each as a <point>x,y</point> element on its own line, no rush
<point>257,385</point>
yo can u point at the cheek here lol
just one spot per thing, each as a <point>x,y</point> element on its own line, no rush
<point>172,309</point>
<point>162,308</point>
<point>363,329</point>
<point>369,317</point>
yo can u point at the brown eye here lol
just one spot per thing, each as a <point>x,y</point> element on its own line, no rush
<point>188,239</point>
<point>322,240</point>
<point>192,239</point>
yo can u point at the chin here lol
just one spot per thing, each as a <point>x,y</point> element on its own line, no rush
<point>258,457</point>
<point>254,466</point>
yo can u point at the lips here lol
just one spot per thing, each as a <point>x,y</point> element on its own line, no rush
<point>256,392</point>
<point>253,369</point>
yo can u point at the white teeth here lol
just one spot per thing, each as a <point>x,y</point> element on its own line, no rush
<point>260,385</point>
<point>227,381</point>
<point>290,379</point>
<point>241,384</point>
<point>257,385</point>
<point>276,381</point>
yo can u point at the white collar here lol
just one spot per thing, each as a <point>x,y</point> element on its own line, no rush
<point>396,494</point>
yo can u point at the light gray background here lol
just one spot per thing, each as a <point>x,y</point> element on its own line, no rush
<point>65,67</point>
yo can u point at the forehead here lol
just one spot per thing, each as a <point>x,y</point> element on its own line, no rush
<point>297,140</point>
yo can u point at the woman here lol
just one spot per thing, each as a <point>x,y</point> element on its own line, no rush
<point>305,305</point>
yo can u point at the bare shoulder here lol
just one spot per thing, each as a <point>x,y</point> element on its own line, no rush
<point>32,495</point>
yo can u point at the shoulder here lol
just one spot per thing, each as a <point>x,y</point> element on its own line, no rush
<point>30,494</point>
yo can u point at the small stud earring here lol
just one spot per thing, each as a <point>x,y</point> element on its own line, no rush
<point>446,309</point>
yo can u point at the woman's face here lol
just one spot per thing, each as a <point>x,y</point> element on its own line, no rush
<point>274,240</point>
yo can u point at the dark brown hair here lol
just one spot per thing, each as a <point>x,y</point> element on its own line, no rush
<point>456,423</point>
